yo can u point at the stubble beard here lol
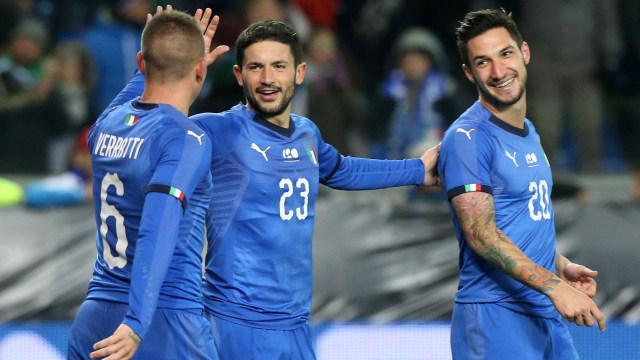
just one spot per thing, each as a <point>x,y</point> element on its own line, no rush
<point>497,102</point>
<point>267,113</point>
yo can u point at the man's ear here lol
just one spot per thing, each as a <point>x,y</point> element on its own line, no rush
<point>301,70</point>
<point>140,62</point>
<point>526,52</point>
<point>238,74</point>
<point>468,73</point>
<point>201,70</point>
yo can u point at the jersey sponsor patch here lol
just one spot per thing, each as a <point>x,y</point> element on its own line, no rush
<point>165,189</point>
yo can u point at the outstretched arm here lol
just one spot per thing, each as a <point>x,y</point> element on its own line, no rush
<point>576,275</point>
<point>476,213</point>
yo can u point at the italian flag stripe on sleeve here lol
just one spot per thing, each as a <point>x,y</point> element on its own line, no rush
<point>173,191</point>
<point>472,187</point>
<point>468,188</point>
<point>176,193</point>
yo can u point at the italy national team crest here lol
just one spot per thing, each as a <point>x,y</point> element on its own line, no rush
<point>130,120</point>
<point>313,156</point>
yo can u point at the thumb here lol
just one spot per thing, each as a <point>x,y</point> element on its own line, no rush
<point>588,272</point>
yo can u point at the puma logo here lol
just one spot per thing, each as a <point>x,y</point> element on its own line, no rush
<point>512,157</point>
<point>263,152</point>
<point>189,132</point>
<point>468,133</point>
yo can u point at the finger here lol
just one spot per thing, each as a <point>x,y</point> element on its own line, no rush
<point>158,11</point>
<point>219,50</point>
<point>589,321</point>
<point>104,343</point>
<point>101,353</point>
<point>198,17</point>
<point>579,320</point>
<point>600,319</point>
<point>211,26</point>
<point>204,19</point>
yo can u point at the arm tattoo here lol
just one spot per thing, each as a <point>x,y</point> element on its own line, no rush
<point>539,278</point>
<point>476,214</point>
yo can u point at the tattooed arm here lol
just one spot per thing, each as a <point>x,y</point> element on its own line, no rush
<point>476,214</point>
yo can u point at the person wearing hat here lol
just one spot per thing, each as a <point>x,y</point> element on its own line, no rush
<point>414,89</point>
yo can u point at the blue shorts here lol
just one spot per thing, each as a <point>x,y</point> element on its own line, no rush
<point>173,334</point>
<point>490,331</point>
<point>241,342</point>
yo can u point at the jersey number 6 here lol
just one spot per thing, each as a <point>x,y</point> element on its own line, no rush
<point>106,211</point>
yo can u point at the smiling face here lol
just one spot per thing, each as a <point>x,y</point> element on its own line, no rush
<point>498,68</point>
<point>269,77</point>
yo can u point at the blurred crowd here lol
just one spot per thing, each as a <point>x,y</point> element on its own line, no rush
<point>383,76</point>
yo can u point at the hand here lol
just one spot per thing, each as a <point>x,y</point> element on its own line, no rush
<point>575,306</point>
<point>159,10</point>
<point>430,161</point>
<point>122,345</point>
<point>580,277</point>
<point>208,26</point>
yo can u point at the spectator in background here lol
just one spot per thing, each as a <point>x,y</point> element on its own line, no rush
<point>329,96</point>
<point>30,109</point>
<point>413,94</point>
<point>574,42</point>
<point>113,45</point>
<point>74,79</point>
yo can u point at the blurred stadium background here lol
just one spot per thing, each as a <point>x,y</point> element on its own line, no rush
<point>385,261</point>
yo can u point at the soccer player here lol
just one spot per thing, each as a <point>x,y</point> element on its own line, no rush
<point>267,165</point>
<point>514,287</point>
<point>151,189</point>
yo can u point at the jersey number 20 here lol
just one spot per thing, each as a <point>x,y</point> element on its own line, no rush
<point>540,195</point>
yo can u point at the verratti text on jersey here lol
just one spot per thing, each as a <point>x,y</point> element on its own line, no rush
<point>118,147</point>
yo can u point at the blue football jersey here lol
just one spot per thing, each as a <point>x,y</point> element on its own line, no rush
<point>480,152</point>
<point>151,188</point>
<point>260,227</point>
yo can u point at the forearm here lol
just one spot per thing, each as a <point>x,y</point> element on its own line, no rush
<point>561,263</point>
<point>476,214</point>
<point>154,251</point>
<point>367,174</point>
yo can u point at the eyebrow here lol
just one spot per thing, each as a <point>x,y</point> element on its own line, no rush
<point>266,64</point>
<point>481,57</point>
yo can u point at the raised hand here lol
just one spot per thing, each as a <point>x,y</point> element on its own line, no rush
<point>159,10</point>
<point>208,26</point>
